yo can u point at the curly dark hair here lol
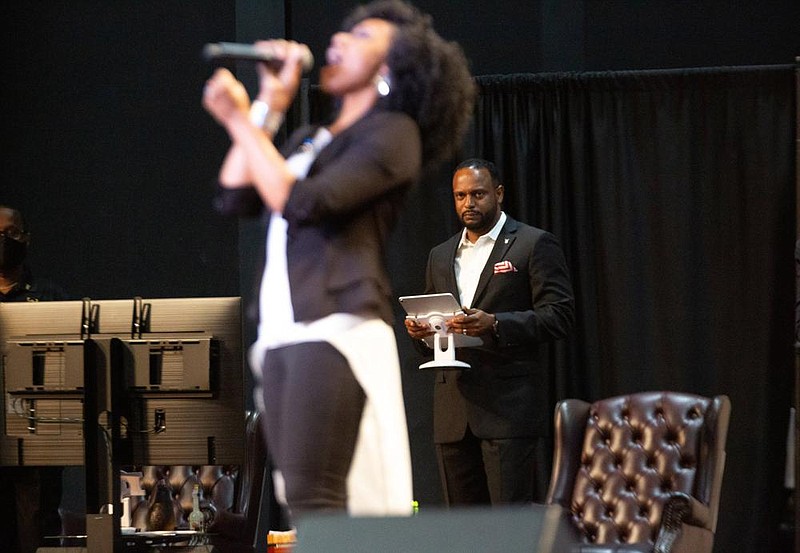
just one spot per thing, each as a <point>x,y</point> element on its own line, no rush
<point>430,77</point>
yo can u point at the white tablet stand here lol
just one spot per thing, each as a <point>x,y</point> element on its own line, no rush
<point>443,358</point>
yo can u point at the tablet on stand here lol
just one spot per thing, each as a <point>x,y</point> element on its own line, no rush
<point>436,310</point>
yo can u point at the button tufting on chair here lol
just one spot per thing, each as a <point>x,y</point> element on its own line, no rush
<point>642,472</point>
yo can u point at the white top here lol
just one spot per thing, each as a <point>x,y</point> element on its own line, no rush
<point>276,324</point>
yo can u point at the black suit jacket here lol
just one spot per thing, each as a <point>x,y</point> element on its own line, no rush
<point>340,216</point>
<point>506,393</point>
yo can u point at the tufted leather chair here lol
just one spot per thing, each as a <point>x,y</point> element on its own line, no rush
<point>231,495</point>
<point>640,472</point>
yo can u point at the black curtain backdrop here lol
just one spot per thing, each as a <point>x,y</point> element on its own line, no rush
<point>673,195</point>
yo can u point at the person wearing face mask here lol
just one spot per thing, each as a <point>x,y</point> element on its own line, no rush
<point>325,357</point>
<point>17,283</point>
<point>13,247</point>
<point>33,494</point>
<point>491,422</point>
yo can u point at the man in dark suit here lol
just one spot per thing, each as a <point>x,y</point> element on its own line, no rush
<point>492,421</point>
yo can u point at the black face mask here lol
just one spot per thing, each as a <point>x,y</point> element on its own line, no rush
<point>12,252</point>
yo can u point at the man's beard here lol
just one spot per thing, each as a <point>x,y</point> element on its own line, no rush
<point>479,221</point>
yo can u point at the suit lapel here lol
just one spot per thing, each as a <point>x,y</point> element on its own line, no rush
<point>504,241</point>
<point>452,283</point>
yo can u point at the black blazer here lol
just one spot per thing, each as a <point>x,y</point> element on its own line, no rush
<point>340,216</point>
<point>506,393</point>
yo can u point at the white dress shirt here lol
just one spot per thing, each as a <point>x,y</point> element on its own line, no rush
<point>471,258</point>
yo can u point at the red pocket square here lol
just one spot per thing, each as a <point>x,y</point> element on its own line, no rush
<point>504,267</point>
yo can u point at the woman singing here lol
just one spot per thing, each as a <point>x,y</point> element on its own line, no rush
<point>325,356</point>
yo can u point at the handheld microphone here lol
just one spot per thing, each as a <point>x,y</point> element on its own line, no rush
<point>231,51</point>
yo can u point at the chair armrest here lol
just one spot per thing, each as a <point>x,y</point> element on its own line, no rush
<point>570,424</point>
<point>679,510</point>
<point>230,525</point>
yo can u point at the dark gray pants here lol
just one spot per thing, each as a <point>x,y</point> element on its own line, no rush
<point>494,471</point>
<point>313,406</point>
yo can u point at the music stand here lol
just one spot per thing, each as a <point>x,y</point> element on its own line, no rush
<point>435,310</point>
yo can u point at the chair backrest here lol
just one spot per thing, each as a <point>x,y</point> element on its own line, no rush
<point>618,460</point>
<point>251,476</point>
<point>217,482</point>
<point>234,489</point>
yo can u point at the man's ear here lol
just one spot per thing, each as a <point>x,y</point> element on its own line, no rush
<point>500,191</point>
